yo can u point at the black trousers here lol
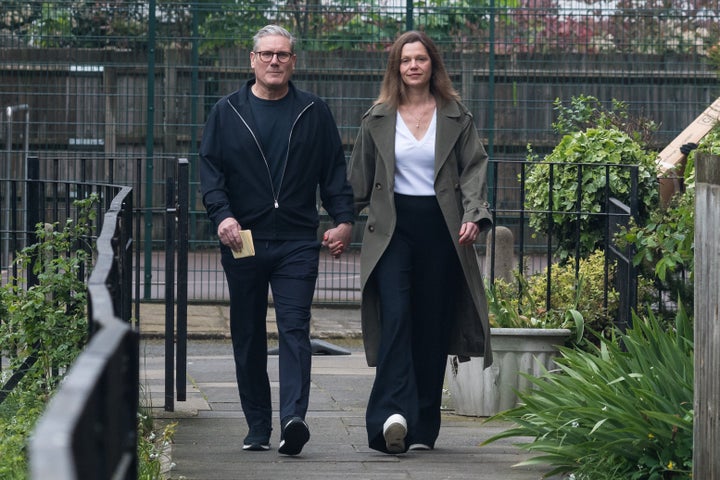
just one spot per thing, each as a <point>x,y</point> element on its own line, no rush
<point>290,269</point>
<point>417,278</point>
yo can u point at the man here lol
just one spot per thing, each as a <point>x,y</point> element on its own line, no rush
<point>265,150</point>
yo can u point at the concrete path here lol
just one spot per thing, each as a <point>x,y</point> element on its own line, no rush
<point>210,425</point>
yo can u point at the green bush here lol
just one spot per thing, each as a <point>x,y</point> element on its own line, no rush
<point>554,207</point>
<point>622,410</point>
<point>576,300</point>
<point>664,245</point>
<point>50,320</point>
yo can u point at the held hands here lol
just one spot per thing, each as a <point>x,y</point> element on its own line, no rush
<point>337,239</point>
<point>229,233</point>
<point>468,233</point>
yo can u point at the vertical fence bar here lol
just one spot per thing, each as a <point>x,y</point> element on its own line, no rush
<point>549,251</point>
<point>578,217</point>
<point>194,94</point>
<point>170,212</point>
<point>137,216</point>
<point>409,15</point>
<point>182,277</point>
<point>127,245</point>
<point>149,147</point>
<point>33,213</point>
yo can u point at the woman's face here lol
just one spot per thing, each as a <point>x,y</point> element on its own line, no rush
<point>415,65</point>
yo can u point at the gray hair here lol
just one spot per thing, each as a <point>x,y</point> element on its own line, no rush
<point>269,30</point>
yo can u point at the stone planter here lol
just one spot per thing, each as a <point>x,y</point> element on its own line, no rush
<point>482,393</point>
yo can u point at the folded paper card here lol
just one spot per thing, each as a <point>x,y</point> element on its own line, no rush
<point>248,248</point>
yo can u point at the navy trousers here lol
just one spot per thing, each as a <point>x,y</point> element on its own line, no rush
<point>417,278</point>
<point>290,269</point>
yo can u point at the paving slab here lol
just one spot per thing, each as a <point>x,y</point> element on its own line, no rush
<point>210,426</point>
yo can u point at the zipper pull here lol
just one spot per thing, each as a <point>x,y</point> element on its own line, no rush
<point>276,204</point>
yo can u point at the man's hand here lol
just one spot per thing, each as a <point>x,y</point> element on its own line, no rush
<point>229,233</point>
<point>337,239</point>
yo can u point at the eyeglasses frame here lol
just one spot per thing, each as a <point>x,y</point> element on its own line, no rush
<point>274,54</point>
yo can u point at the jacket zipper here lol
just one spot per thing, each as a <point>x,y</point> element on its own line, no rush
<point>276,195</point>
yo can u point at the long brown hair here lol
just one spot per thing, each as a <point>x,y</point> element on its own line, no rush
<point>393,90</point>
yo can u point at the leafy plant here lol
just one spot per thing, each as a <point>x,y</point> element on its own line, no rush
<point>622,410</point>
<point>576,299</point>
<point>18,415</point>
<point>586,111</point>
<point>153,449</point>
<point>567,190</point>
<point>49,320</point>
<point>664,245</point>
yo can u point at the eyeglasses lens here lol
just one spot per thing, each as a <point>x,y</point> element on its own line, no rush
<point>268,56</point>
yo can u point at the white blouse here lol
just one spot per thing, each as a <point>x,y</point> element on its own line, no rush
<point>414,159</point>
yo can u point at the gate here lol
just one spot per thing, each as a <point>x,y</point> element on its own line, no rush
<point>619,216</point>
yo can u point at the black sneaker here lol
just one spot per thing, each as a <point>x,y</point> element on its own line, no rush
<point>294,436</point>
<point>255,442</point>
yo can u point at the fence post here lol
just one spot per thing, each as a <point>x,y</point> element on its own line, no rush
<point>706,429</point>
<point>170,215</point>
<point>182,277</point>
<point>34,206</point>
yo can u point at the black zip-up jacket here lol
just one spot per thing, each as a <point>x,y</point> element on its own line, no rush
<point>235,177</point>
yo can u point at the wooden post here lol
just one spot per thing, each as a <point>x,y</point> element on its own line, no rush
<point>706,430</point>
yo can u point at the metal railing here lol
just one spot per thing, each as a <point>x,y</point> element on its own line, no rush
<point>142,87</point>
<point>89,429</point>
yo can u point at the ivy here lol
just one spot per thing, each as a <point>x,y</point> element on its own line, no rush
<point>582,165</point>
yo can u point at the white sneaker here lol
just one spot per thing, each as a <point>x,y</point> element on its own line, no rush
<point>394,431</point>
<point>419,446</point>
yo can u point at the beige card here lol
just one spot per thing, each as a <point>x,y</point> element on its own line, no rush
<point>248,248</point>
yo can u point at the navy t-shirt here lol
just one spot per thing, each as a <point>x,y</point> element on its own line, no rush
<point>273,119</point>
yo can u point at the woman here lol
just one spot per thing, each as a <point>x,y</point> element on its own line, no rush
<point>419,165</point>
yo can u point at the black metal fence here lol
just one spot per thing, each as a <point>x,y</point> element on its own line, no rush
<point>117,91</point>
<point>89,429</point>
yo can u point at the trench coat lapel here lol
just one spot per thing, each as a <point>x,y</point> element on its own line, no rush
<point>383,132</point>
<point>382,129</point>
<point>448,130</point>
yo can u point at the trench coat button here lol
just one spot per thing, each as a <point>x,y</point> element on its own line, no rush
<point>371,228</point>
<point>456,186</point>
<point>378,186</point>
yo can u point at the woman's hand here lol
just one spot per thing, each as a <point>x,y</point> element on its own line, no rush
<point>468,233</point>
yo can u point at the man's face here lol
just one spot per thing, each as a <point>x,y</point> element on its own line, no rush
<point>273,75</point>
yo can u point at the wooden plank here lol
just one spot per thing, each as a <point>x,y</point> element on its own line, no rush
<point>669,157</point>
<point>706,427</point>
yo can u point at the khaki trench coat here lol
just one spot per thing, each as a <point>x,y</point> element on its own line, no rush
<point>461,189</point>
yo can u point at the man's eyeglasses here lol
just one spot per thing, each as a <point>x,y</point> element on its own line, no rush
<point>267,56</point>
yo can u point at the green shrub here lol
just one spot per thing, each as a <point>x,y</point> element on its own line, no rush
<point>586,111</point>
<point>554,207</point>
<point>622,410</point>
<point>664,245</point>
<point>576,301</point>
<point>50,320</point>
